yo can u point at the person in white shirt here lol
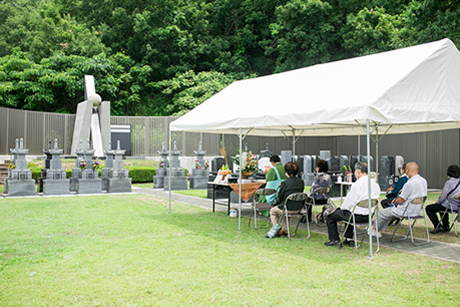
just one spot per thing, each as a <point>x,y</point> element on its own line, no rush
<point>415,187</point>
<point>358,192</point>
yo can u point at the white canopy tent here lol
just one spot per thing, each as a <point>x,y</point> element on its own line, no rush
<point>413,89</point>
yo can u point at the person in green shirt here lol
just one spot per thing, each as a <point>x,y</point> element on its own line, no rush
<point>272,176</point>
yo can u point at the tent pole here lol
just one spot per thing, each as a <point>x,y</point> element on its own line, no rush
<point>377,154</point>
<point>369,191</point>
<point>240,136</point>
<point>169,172</point>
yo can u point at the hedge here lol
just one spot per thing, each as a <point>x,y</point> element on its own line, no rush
<point>138,174</point>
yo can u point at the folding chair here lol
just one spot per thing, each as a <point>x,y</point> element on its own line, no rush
<point>312,202</point>
<point>453,214</point>
<point>296,197</point>
<point>352,222</point>
<point>419,201</point>
<point>256,206</point>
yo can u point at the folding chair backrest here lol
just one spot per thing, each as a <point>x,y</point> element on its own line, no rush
<point>365,204</point>
<point>299,197</point>
<point>323,190</point>
<point>264,192</point>
<point>418,201</point>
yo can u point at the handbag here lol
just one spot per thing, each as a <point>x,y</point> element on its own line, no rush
<point>275,184</point>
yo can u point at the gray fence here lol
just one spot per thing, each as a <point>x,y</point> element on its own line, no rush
<point>433,151</point>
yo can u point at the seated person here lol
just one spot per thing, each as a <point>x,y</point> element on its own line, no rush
<point>415,187</point>
<point>321,180</point>
<point>451,188</point>
<point>272,176</point>
<point>392,192</point>
<point>358,192</point>
<point>288,187</point>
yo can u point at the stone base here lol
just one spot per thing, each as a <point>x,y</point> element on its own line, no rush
<point>89,186</point>
<point>118,185</point>
<point>19,187</point>
<point>56,187</point>
<point>177,183</point>
<point>104,183</point>
<point>158,182</point>
<point>199,183</point>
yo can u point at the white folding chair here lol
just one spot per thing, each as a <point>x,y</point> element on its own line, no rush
<point>452,213</point>
<point>312,202</point>
<point>352,221</point>
<point>256,206</point>
<point>287,213</point>
<point>418,201</point>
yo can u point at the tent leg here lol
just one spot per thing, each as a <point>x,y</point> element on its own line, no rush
<point>169,185</point>
<point>369,191</point>
<point>240,136</point>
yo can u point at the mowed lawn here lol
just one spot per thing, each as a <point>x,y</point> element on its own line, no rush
<point>125,250</point>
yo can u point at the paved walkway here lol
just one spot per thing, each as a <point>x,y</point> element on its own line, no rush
<point>439,250</point>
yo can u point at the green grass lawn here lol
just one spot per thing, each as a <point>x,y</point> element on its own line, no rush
<point>126,250</point>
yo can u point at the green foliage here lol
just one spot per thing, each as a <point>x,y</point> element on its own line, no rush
<point>141,174</point>
<point>188,90</point>
<point>156,57</point>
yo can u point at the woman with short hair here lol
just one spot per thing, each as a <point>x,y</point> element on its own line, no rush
<point>291,185</point>
<point>451,188</point>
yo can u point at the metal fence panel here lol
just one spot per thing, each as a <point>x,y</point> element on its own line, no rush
<point>433,151</point>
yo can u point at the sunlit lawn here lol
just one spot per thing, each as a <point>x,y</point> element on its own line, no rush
<point>126,250</point>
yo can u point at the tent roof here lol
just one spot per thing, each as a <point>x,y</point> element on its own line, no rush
<point>412,89</point>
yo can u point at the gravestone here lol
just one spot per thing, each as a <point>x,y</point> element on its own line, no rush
<point>386,177</point>
<point>333,164</point>
<point>399,161</point>
<point>216,164</point>
<point>108,165</point>
<point>55,181</point>
<point>325,154</point>
<point>19,181</point>
<point>178,181</point>
<point>87,179</point>
<point>47,167</point>
<point>118,180</point>
<point>76,171</point>
<point>199,178</point>
<point>308,174</point>
<point>160,173</point>
<point>344,160</point>
<point>265,153</point>
<point>286,156</point>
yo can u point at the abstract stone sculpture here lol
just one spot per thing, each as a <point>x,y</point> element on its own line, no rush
<point>92,116</point>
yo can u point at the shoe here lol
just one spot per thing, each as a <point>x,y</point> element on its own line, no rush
<point>374,233</point>
<point>332,243</point>
<point>435,231</point>
<point>281,233</point>
<point>446,229</point>
<point>351,243</point>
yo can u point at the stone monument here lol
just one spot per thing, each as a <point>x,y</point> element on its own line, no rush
<point>93,115</point>
<point>178,179</point>
<point>19,181</point>
<point>86,178</point>
<point>158,179</point>
<point>286,156</point>
<point>55,181</point>
<point>47,167</point>
<point>118,180</point>
<point>199,178</point>
<point>265,153</point>
<point>108,165</point>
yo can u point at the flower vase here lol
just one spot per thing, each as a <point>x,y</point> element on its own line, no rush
<point>245,175</point>
<point>348,178</point>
